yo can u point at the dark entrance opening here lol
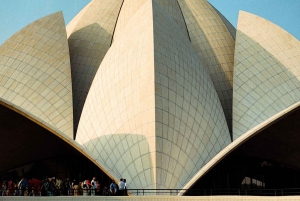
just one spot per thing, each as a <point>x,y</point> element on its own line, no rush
<point>29,150</point>
<point>266,164</point>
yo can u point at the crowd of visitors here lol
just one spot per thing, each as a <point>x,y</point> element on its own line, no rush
<point>58,187</point>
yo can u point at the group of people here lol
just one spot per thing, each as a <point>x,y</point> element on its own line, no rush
<point>52,186</point>
<point>84,188</point>
<point>120,189</point>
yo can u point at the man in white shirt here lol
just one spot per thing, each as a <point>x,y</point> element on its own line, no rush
<point>94,186</point>
<point>121,187</point>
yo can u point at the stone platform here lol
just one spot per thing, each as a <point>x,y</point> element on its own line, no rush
<point>155,198</point>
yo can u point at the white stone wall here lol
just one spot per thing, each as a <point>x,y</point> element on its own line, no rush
<point>118,119</point>
<point>214,45</point>
<point>129,8</point>
<point>172,8</point>
<point>35,74</point>
<point>152,104</point>
<point>90,36</point>
<point>228,25</point>
<point>152,115</point>
<point>266,72</point>
<point>190,124</point>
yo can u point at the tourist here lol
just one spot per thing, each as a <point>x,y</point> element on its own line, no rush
<point>67,187</point>
<point>75,186</point>
<point>4,188</point>
<point>113,188</point>
<point>125,188</point>
<point>93,186</point>
<point>30,187</point>
<point>59,186</point>
<point>121,187</point>
<point>98,188</point>
<point>105,191</point>
<point>49,186</point>
<point>10,188</point>
<point>23,185</point>
<point>16,189</point>
<point>36,187</point>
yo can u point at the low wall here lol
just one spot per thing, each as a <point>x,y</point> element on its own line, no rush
<point>154,198</point>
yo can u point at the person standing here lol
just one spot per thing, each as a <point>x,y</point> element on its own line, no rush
<point>36,187</point>
<point>59,186</point>
<point>93,186</point>
<point>4,188</point>
<point>67,187</point>
<point>30,187</point>
<point>49,186</point>
<point>10,188</point>
<point>16,188</point>
<point>105,191</point>
<point>98,188</point>
<point>23,185</point>
<point>75,186</point>
<point>113,188</point>
<point>125,188</point>
<point>121,187</point>
<point>85,188</point>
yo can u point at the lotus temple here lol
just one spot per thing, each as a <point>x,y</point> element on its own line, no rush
<point>165,93</point>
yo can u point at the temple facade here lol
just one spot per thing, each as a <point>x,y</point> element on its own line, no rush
<point>155,91</point>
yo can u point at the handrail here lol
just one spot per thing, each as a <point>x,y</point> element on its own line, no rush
<point>145,192</point>
<point>215,192</point>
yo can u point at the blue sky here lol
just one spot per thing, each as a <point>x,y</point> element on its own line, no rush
<point>16,14</point>
<point>284,13</point>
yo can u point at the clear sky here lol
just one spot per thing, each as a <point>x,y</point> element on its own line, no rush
<point>16,14</point>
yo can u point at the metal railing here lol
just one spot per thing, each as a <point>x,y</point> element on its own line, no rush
<point>170,192</point>
<point>55,192</point>
<point>216,192</point>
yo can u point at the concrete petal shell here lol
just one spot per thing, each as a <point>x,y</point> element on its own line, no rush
<point>129,8</point>
<point>74,22</point>
<point>153,85</point>
<point>36,76</point>
<point>90,37</point>
<point>173,9</point>
<point>266,72</point>
<point>228,25</point>
<point>190,126</point>
<point>215,46</point>
<point>242,139</point>
<point>118,119</point>
<point>35,82</point>
<point>152,115</point>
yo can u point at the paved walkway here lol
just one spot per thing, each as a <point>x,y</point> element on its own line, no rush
<point>156,198</point>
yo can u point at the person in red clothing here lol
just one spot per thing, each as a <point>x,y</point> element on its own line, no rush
<point>36,187</point>
<point>10,188</point>
<point>30,185</point>
<point>98,188</point>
